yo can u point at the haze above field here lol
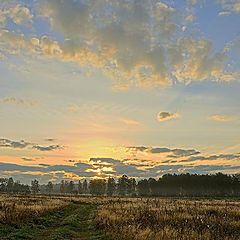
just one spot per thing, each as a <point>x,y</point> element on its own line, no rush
<point>94,88</point>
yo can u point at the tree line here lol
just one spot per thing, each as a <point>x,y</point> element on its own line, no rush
<point>183,185</point>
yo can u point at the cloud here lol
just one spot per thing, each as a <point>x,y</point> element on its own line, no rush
<point>164,116</point>
<point>73,108</point>
<point>130,122</point>
<point>13,144</point>
<point>230,5</point>
<point>18,13</point>
<point>183,153</point>
<point>118,167</point>
<point>18,101</point>
<point>221,118</point>
<point>28,159</point>
<point>132,42</point>
<point>213,157</point>
<point>50,139</point>
<point>190,18</point>
<point>47,148</point>
<point>224,13</point>
<point>23,144</point>
<point>176,153</point>
<point>105,167</point>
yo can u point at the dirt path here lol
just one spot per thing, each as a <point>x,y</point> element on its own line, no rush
<point>75,225</point>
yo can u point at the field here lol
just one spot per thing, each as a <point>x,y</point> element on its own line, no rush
<point>41,217</point>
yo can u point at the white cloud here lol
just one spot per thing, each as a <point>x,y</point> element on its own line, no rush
<point>225,13</point>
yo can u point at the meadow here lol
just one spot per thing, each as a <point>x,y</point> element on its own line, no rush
<point>58,217</point>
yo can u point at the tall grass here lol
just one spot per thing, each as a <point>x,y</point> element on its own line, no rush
<point>21,208</point>
<point>155,219</point>
<point>137,218</point>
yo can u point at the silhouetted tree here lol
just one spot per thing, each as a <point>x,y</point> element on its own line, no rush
<point>10,185</point>
<point>111,186</point>
<point>35,186</point>
<point>70,187</point>
<point>143,188</point>
<point>85,186</point>
<point>49,187</point>
<point>80,187</point>
<point>62,187</point>
<point>97,186</point>
<point>122,185</point>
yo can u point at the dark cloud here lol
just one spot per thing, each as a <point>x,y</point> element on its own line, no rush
<point>212,157</point>
<point>193,169</point>
<point>134,148</point>
<point>50,139</point>
<point>13,144</point>
<point>159,150</point>
<point>23,144</point>
<point>44,165</point>
<point>71,161</point>
<point>183,153</point>
<point>176,153</point>
<point>164,116</point>
<point>59,172</point>
<point>48,148</point>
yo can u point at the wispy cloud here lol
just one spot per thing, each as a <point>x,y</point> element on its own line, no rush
<point>222,118</point>
<point>73,108</point>
<point>213,157</point>
<point>130,122</point>
<point>28,159</point>
<point>19,101</point>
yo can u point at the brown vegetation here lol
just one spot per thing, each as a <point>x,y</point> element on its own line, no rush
<point>137,218</point>
<point>157,219</point>
<point>20,208</point>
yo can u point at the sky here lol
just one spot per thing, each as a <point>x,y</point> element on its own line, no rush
<point>101,88</point>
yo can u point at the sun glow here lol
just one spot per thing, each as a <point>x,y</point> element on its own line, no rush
<point>99,148</point>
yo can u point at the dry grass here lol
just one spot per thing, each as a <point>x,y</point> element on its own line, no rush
<point>138,219</point>
<point>20,208</point>
<point>146,219</point>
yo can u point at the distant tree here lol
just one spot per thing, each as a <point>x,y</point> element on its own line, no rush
<point>35,186</point>
<point>131,187</point>
<point>70,187</point>
<point>62,187</point>
<point>3,184</point>
<point>49,187</point>
<point>111,186</point>
<point>122,185</point>
<point>143,187</point>
<point>80,187</point>
<point>97,186</point>
<point>85,186</point>
<point>10,184</point>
